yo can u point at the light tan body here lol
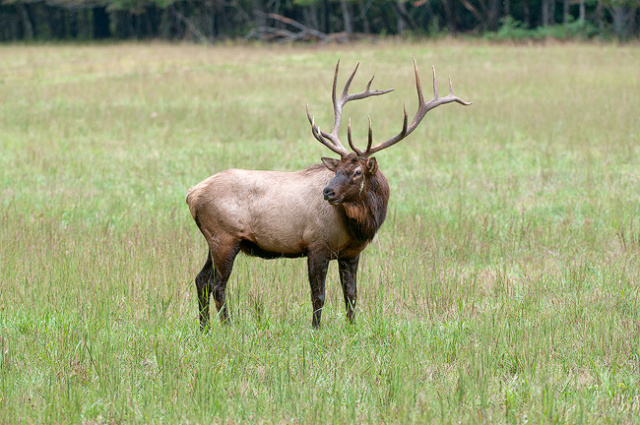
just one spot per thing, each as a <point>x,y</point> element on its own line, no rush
<point>282,213</point>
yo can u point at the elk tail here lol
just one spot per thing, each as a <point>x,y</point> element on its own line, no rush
<point>190,201</point>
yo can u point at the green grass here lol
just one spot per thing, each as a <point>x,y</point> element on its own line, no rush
<point>503,287</point>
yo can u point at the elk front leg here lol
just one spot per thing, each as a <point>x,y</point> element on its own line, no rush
<point>204,287</point>
<point>317,265</point>
<point>348,273</point>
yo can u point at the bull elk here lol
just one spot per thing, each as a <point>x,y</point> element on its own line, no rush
<point>329,211</point>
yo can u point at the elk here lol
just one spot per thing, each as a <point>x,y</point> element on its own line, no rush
<point>329,211</point>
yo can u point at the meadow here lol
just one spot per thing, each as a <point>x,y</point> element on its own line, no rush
<point>503,287</point>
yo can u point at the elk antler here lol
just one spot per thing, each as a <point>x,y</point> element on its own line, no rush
<point>423,108</point>
<point>331,140</point>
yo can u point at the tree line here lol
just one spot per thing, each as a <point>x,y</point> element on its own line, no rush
<point>314,20</point>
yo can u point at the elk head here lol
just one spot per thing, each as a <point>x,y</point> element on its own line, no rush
<point>355,168</point>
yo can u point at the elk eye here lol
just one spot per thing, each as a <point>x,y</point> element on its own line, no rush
<point>358,172</point>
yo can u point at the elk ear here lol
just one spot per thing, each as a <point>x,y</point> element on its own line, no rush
<point>331,163</point>
<point>372,166</point>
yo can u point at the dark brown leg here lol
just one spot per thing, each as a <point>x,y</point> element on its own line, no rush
<point>317,265</point>
<point>223,259</point>
<point>348,274</point>
<point>204,285</point>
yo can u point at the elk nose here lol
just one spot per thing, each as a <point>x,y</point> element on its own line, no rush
<point>329,193</point>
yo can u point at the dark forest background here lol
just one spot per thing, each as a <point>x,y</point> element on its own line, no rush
<point>315,20</point>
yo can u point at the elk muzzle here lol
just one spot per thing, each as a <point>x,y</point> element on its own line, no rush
<point>339,189</point>
<point>330,195</point>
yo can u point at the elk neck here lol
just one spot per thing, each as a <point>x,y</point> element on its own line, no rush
<point>366,215</point>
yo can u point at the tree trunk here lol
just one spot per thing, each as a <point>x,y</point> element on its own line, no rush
<point>165,28</point>
<point>565,12</point>
<point>621,18</point>
<point>404,19</point>
<point>546,19</point>
<point>85,26</point>
<point>599,15</point>
<point>57,22</point>
<point>583,11</point>
<point>475,12</point>
<point>366,27</point>
<point>310,14</point>
<point>101,28</point>
<point>450,16</point>
<point>494,14</point>
<point>400,24</point>
<point>346,17</point>
<point>258,14</point>
<point>633,21</point>
<point>325,16</point>
<point>27,26</point>
<point>72,19</point>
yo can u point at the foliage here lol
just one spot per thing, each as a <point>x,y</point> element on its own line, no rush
<point>211,20</point>
<point>574,29</point>
<point>511,29</point>
<point>622,3</point>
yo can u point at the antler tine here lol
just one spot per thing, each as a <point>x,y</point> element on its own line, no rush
<point>369,83</point>
<point>345,91</point>
<point>338,104</point>
<point>355,149</point>
<point>318,134</point>
<point>370,139</point>
<point>335,84</point>
<point>435,86</point>
<point>405,121</point>
<point>418,85</point>
<point>332,140</point>
<point>401,135</point>
<point>346,97</point>
<point>423,108</point>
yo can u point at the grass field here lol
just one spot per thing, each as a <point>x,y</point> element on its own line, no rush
<point>503,287</point>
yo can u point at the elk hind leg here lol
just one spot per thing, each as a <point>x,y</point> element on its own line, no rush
<point>204,281</point>
<point>223,258</point>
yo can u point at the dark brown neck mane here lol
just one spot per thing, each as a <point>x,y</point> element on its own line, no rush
<point>365,216</point>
